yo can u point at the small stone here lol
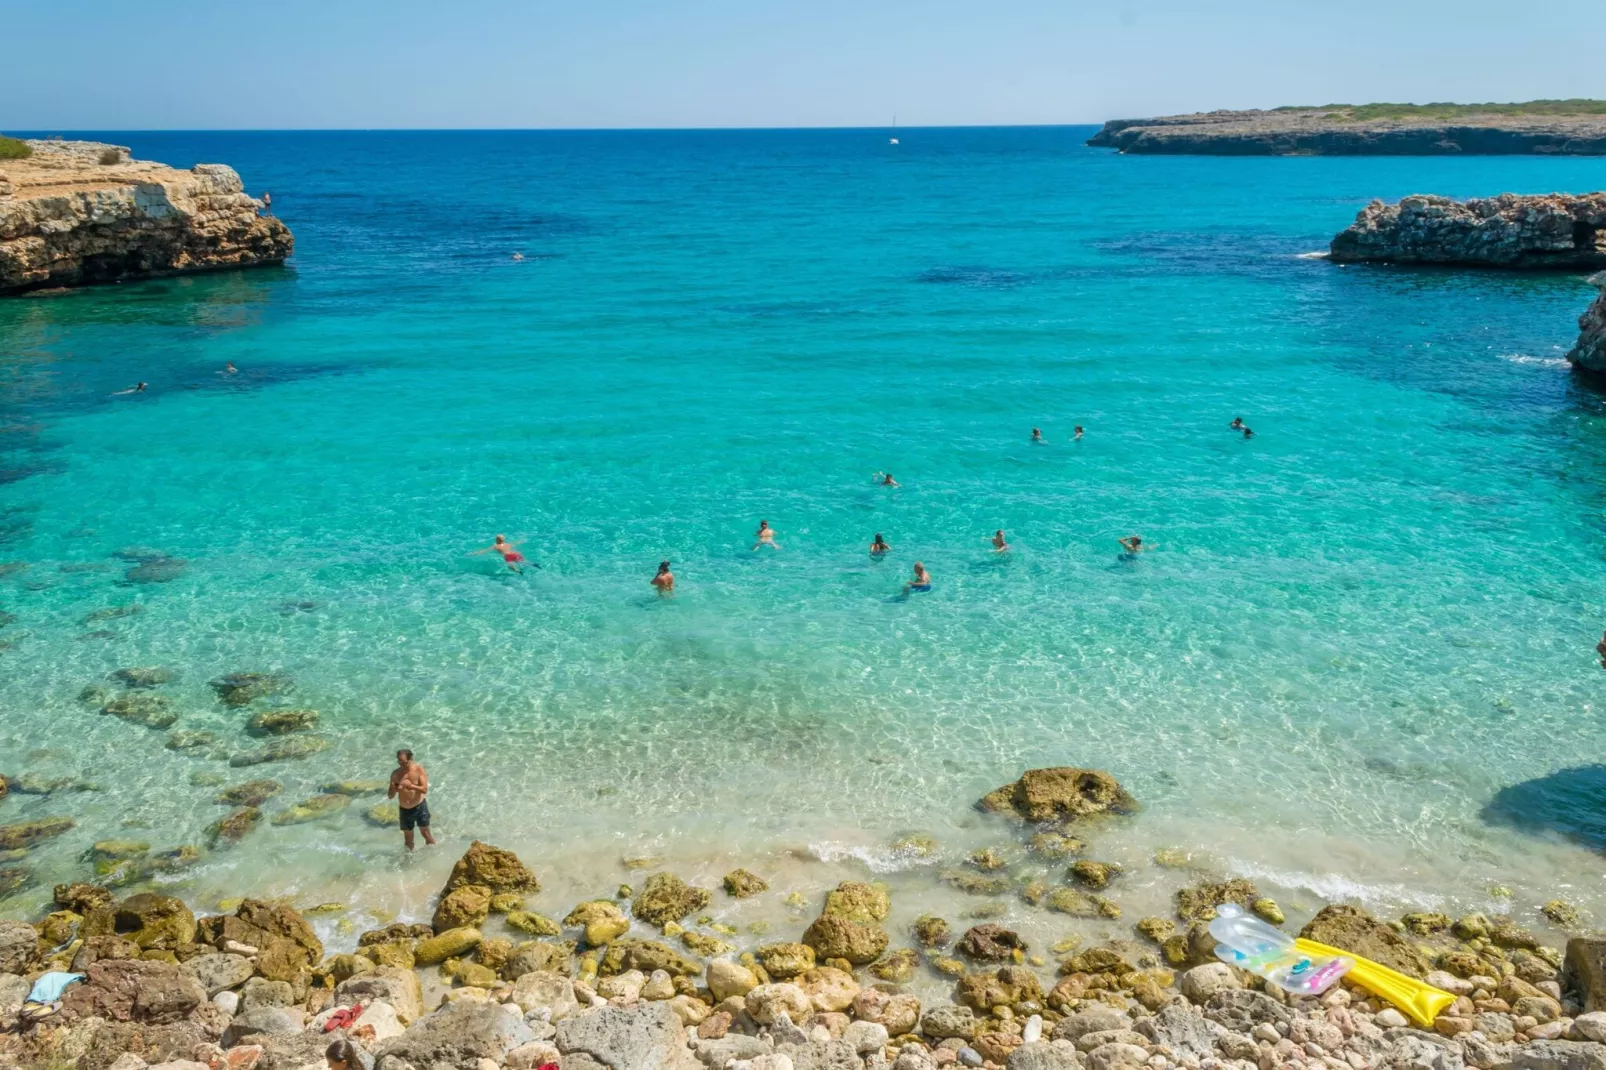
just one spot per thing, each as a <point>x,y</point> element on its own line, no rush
<point>931,931</point>
<point>1563,914</point>
<point>1095,875</point>
<point>1389,1018</point>
<point>1267,910</point>
<point>741,884</point>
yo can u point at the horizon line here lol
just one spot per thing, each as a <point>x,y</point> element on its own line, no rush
<point>35,132</point>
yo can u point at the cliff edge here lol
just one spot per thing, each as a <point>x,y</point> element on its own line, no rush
<point>80,212</point>
<point>1551,230</point>
<point>1367,130</point>
<point>1590,352</point>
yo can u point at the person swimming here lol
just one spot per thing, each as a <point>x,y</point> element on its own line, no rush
<point>1600,648</point>
<point>766,536</point>
<point>665,580</point>
<point>1078,435</point>
<point>509,554</point>
<point>1133,545</point>
<point>886,480</point>
<point>229,368</point>
<point>518,256</point>
<point>1037,436</point>
<point>922,580</point>
<point>138,388</point>
<point>879,547</point>
<point>1237,424</point>
<point>1247,432</point>
<point>1000,544</point>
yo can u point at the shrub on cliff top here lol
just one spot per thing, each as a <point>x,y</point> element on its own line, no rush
<point>110,156</point>
<point>12,149</point>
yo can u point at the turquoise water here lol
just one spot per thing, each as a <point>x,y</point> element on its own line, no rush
<point>1353,632</point>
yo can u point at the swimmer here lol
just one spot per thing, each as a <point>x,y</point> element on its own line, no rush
<point>1000,545</point>
<point>1237,424</point>
<point>518,256</point>
<point>879,547</point>
<point>509,554</point>
<point>665,580</point>
<point>886,480</point>
<point>922,580</point>
<point>1133,545</point>
<point>1248,433</point>
<point>1037,436</point>
<point>230,369</point>
<point>766,536</point>
<point>1600,648</point>
<point>138,388</point>
<point>1078,436</point>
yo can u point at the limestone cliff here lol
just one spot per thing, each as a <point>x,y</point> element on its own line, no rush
<point>67,218</point>
<point>1345,131</point>
<point>1509,231</point>
<point>1590,352</point>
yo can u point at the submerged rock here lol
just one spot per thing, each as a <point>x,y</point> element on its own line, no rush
<point>138,708</point>
<point>244,688</point>
<point>281,722</point>
<point>1061,794</point>
<point>164,570</point>
<point>27,834</point>
<point>293,748</point>
<point>385,815</point>
<point>835,937</point>
<point>233,827</point>
<point>317,808</point>
<point>251,793</point>
<point>355,787</point>
<point>741,884</point>
<point>143,678</point>
<point>190,739</point>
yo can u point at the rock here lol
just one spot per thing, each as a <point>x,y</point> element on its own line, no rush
<point>991,943</point>
<point>939,1023</point>
<point>493,868</point>
<point>133,990</point>
<point>288,749</point>
<point>1584,971</point>
<point>287,946</point>
<point>190,739</point>
<point>1182,1029</point>
<point>1157,929</point>
<point>1199,901</point>
<point>1041,1056</point>
<point>219,972</point>
<point>740,884</point>
<point>726,979</point>
<point>397,987</point>
<point>1079,904</point>
<point>264,1021</point>
<point>1352,929</point>
<point>1559,1055</point>
<point>449,944</point>
<point>666,898</point>
<point>526,921</point>
<point>260,992</point>
<point>865,1037</point>
<point>355,787</point>
<point>244,688</point>
<point>281,722</point>
<point>899,1013</point>
<point>475,975</point>
<point>646,1036</point>
<point>898,967</point>
<point>1589,353</point>
<point>233,827</point>
<point>1389,1018</point>
<point>378,1019</point>
<point>1061,794</point>
<point>457,1035</point>
<point>143,678</point>
<point>834,937</point>
<point>531,1056</point>
<point>162,570</point>
<point>1508,231</point>
<point>1095,875</point>
<point>139,708</point>
<point>785,961</point>
<point>19,942</point>
<point>1202,982</point>
<point>465,907</point>
<point>1117,1056</point>
<point>1241,1010</point>
<point>931,931</point>
<point>545,991</point>
<point>539,955</point>
<point>317,808</point>
<point>386,815</point>
<point>1450,983</point>
<point>155,922</point>
<point>829,989</point>
<point>1006,986</point>
<point>1267,910</point>
<point>250,793</point>
<point>603,921</point>
<point>767,1002</point>
<point>857,901</point>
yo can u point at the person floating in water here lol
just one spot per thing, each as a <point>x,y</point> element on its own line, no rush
<point>518,256</point>
<point>230,369</point>
<point>879,547</point>
<point>665,580</point>
<point>1133,545</point>
<point>138,388</point>
<point>1078,436</point>
<point>886,480</point>
<point>1037,436</point>
<point>1600,648</point>
<point>766,536</point>
<point>1237,424</point>
<point>1247,432</point>
<point>922,580</point>
<point>1000,544</point>
<point>509,552</point>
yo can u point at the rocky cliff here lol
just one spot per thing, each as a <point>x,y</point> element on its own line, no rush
<point>1509,231</point>
<point>1590,352</point>
<point>1339,132</point>
<point>78,212</point>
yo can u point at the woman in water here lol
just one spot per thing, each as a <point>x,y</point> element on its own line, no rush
<point>509,554</point>
<point>922,580</point>
<point>879,547</point>
<point>1078,435</point>
<point>1133,545</point>
<point>999,543</point>
<point>766,536</point>
<point>886,480</point>
<point>1037,437</point>
<point>665,580</point>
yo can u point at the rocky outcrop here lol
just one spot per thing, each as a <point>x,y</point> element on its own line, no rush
<point>1552,230</point>
<point>1590,352</point>
<point>1339,132</point>
<point>69,219</point>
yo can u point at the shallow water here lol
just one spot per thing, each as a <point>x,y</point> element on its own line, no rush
<point>1354,632</point>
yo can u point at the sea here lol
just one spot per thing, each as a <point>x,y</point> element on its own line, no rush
<point>1354,664</point>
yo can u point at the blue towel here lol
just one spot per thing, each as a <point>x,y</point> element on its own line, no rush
<point>48,989</point>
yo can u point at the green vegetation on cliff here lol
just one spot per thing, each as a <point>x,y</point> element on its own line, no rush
<point>1362,112</point>
<point>12,149</point>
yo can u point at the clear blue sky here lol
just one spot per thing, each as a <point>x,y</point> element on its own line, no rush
<point>187,64</point>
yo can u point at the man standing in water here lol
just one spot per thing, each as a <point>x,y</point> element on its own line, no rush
<point>409,785</point>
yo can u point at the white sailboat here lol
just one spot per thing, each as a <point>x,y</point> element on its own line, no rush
<point>893,140</point>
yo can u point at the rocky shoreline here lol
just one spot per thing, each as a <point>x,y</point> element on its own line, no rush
<point>79,212</point>
<point>1336,131</point>
<point>1590,351</point>
<point>1526,232</point>
<point>645,977</point>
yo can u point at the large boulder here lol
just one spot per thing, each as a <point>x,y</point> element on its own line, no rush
<point>1590,351</point>
<point>458,1035</point>
<point>646,1036</point>
<point>767,1003</point>
<point>991,943</point>
<point>221,971</point>
<point>545,990</point>
<point>1063,793</point>
<point>858,901</point>
<point>492,867</point>
<point>19,943</point>
<point>1584,971</point>
<point>666,898</point>
<point>1353,929</point>
<point>266,1022</point>
<point>785,961</point>
<point>448,945</point>
<point>288,947</point>
<point>392,984</point>
<point>536,955</point>
<point>603,921</point>
<point>155,922</point>
<point>134,990</point>
<point>464,907</point>
<point>647,956</point>
<point>834,937</point>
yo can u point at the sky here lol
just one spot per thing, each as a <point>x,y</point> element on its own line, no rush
<point>357,64</point>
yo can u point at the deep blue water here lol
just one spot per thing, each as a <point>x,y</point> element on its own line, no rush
<point>1353,632</point>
